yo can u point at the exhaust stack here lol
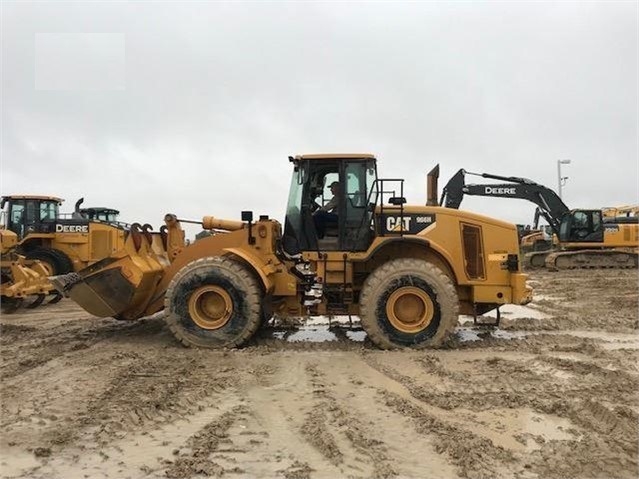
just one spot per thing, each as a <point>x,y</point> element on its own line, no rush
<point>431,187</point>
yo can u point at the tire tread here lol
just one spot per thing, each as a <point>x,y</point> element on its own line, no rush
<point>373,288</point>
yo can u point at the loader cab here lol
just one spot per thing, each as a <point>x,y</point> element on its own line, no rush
<point>106,215</point>
<point>26,215</point>
<point>310,191</point>
<point>582,226</point>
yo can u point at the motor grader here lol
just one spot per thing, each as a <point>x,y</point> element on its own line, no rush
<point>407,271</point>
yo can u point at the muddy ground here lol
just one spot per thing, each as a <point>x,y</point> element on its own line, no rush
<point>551,393</point>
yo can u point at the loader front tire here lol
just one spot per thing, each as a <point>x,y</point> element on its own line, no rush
<point>408,303</point>
<point>213,302</point>
<point>54,261</point>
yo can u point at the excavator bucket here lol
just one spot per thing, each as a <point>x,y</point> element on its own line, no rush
<point>121,285</point>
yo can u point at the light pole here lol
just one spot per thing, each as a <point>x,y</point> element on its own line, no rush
<point>561,180</point>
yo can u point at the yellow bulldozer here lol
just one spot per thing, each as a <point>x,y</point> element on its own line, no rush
<point>38,241</point>
<point>407,271</point>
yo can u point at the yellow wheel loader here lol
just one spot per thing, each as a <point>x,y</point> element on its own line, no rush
<point>62,242</point>
<point>408,271</point>
<point>38,241</point>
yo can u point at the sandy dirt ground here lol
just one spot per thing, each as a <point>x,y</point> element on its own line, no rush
<point>552,393</point>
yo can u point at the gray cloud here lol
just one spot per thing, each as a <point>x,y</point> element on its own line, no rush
<point>217,95</point>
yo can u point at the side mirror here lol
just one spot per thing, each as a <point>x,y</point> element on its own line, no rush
<point>247,216</point>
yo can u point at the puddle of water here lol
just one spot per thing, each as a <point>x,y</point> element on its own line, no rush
<point>357,336</point>
<point>468,334</point>
<point>610,341</point>
<point>319,329</point>
<point>320,333</point>
<point>509,311</point>
<point>546,297</point>
<point>465,335</point>
<point>312,335</point>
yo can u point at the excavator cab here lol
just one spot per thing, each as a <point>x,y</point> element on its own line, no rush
<point>30,214</point>
<point>106,215</point>
<point>356,196</point>
<point>582,226</point>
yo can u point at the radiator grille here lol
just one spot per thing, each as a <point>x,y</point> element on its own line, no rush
<point>473,251</point>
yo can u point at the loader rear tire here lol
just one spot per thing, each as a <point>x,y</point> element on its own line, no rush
<point>408,303</point>
<point>55,261</point>
<point>213,303</point>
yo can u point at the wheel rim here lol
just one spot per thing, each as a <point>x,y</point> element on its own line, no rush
<point>48,267</point>
<point>410,309</point>
<point>210,307</point>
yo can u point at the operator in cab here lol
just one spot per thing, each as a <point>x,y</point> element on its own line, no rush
<point>327,214</point>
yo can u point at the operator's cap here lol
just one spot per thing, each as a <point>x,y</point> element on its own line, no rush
<point>334,183</point>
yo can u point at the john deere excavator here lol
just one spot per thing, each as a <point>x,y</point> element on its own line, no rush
<point>587,239</point>
<point>407,271</point>
<point>38,241</point>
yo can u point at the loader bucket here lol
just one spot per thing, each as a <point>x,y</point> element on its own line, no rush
<point>114,286</point>
<point>91,292</point>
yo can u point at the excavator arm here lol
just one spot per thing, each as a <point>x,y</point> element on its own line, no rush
<point>549,205</point>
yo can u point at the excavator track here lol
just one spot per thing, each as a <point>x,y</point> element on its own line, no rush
<point>536,259</point>
<point>592,259</point>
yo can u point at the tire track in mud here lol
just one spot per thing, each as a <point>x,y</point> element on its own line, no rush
<point>474,456</point>
<point>270,440</point>
<point>377,432</point>
<point>26,348</point>
<point>154,404</point>
<point>600,431</point>
<point>329,420</point>
<point>197,461</point>
<point>150,392</point>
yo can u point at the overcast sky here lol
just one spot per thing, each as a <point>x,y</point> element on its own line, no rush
<point>194,107</point>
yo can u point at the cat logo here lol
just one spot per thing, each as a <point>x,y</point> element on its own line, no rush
<point>394,223</point>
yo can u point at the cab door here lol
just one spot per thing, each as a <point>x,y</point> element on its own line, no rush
<point>356,233</point>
